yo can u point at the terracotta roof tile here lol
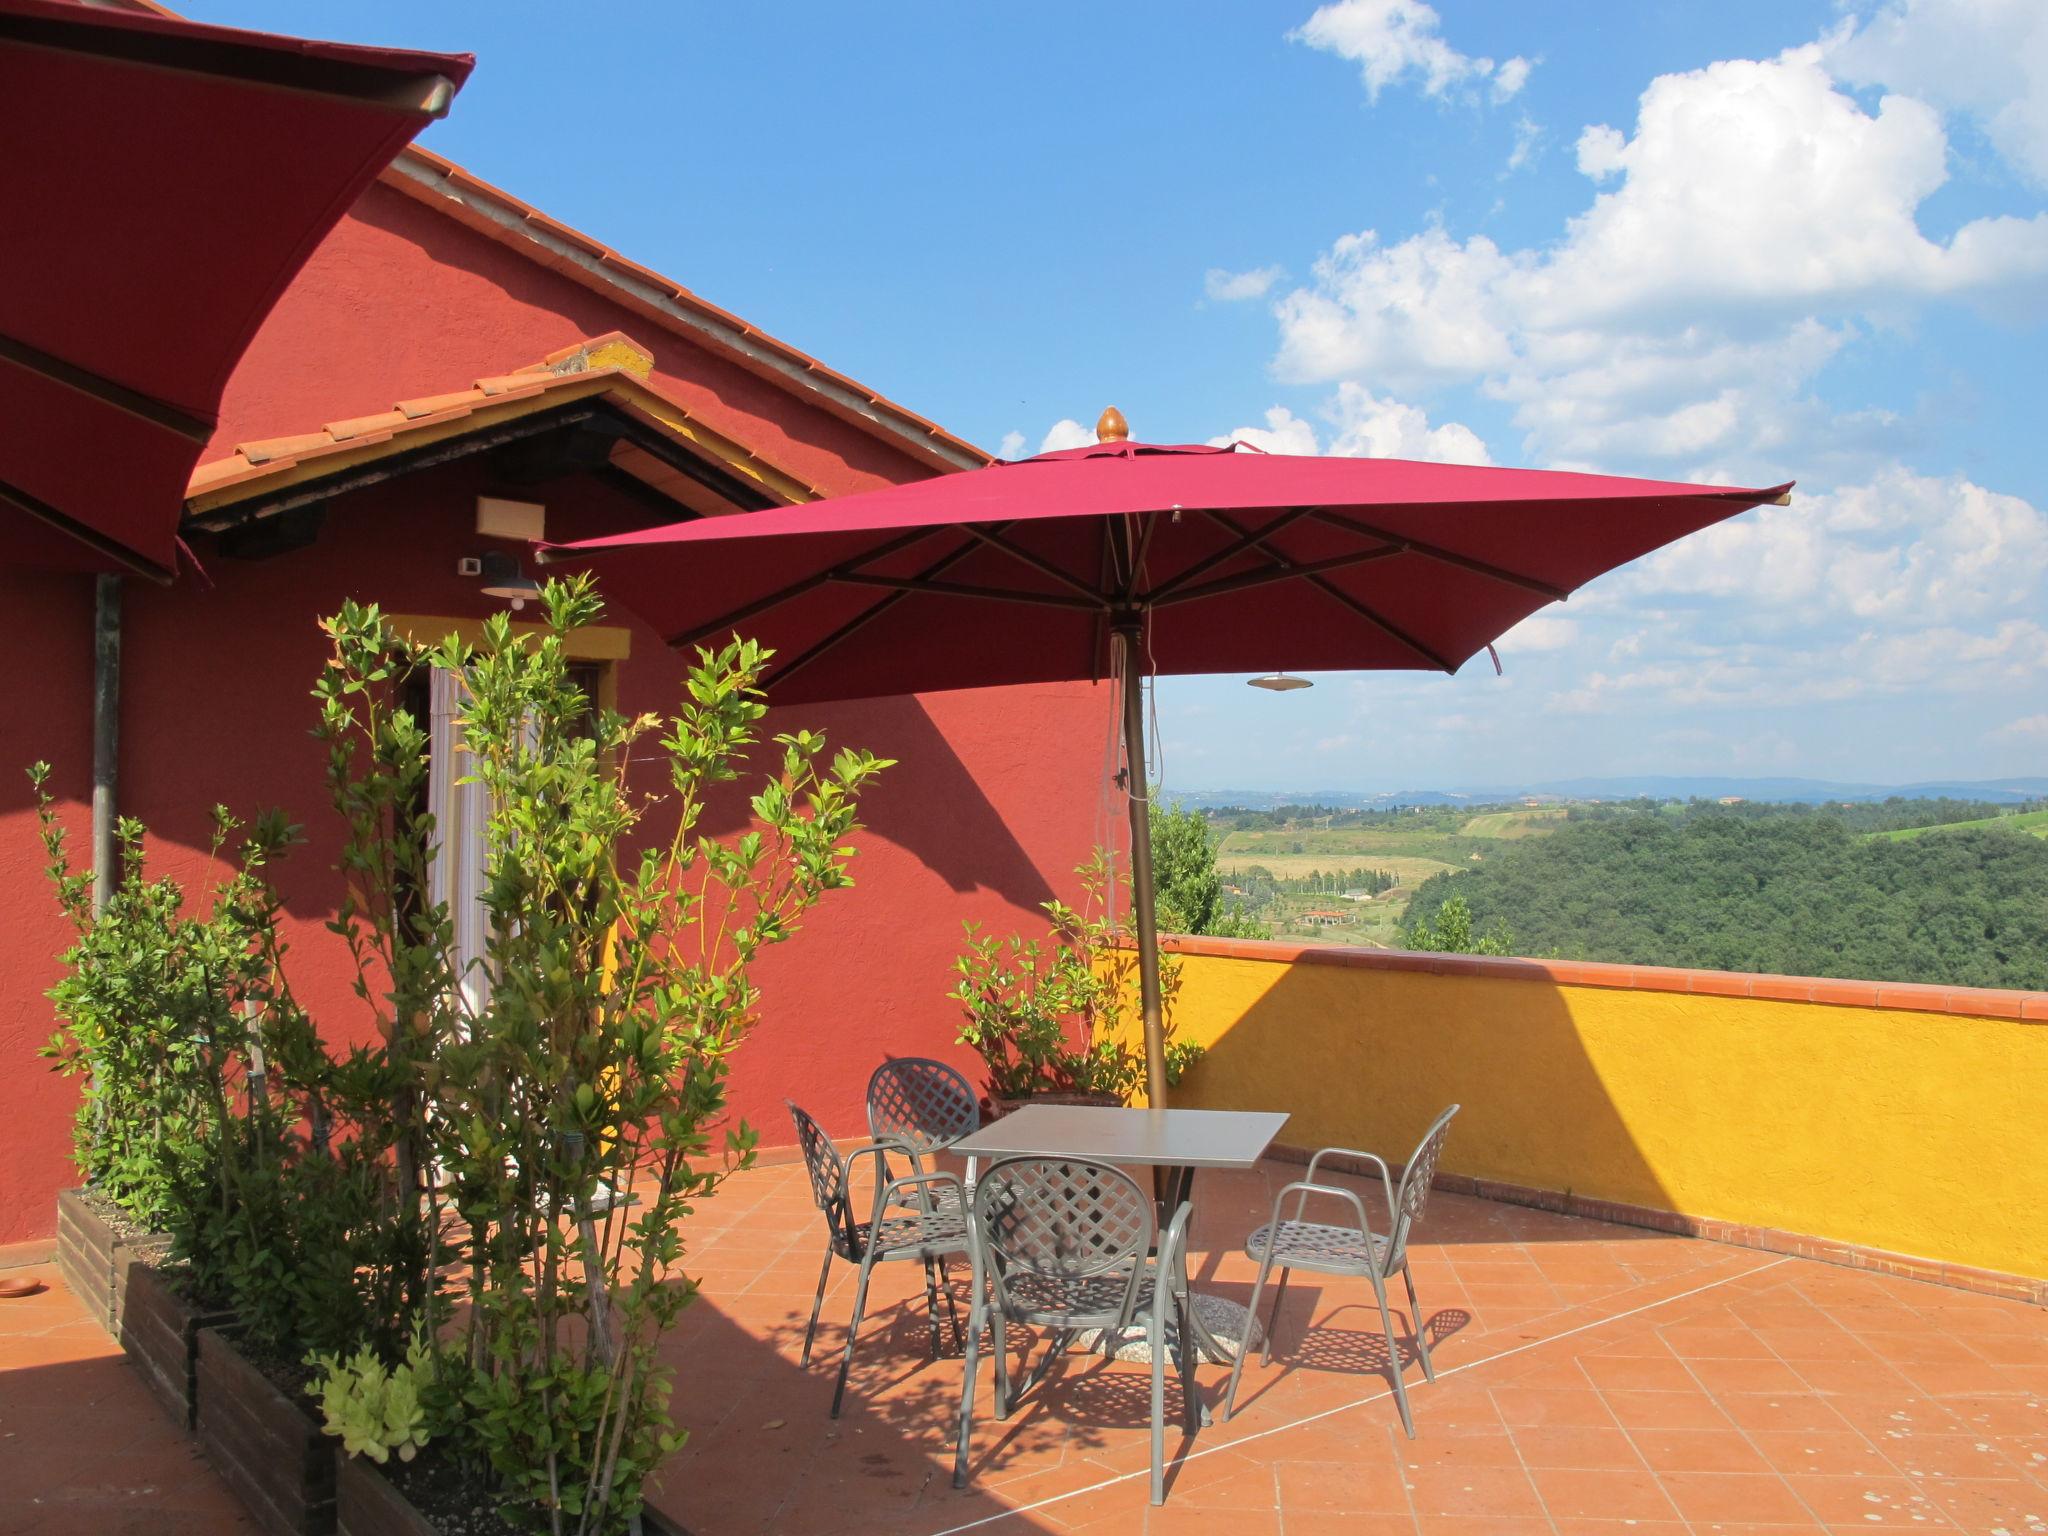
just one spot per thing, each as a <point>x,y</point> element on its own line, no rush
<point>264,450</point>
<point>383,421</point>
<point>613,356</point>
<point>513,383</point>
<point>433,405</point>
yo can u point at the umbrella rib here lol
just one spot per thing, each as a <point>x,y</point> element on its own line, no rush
<point>1364,611</point>
<point>1043,566</point>
<point>95,386</point>
<point>1444,556</point>
<point>1137,573</point>
<point>1243,542</point>
<point>909,584</point>
<point>113,549</point>
<point>795,589</point>
<point>1267,575</point>
<point>865,616</point>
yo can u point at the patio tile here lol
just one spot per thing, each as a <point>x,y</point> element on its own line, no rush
<point>1788,1397</point>
<point>1666,1410</point>
<point>1473,1492</point>
<point>1820,1453</point>
<point>1871,1502</point>
<point>1759,1498</point>
<point>1642,1373</point>
<point>1587,1447</point>
<point>1375,1487</point>
<point>1610,1495</point>
<point>1699,1450</point>
<point>1520,1406</point>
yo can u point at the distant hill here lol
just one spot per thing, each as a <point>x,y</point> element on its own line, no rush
<point>1655,787</point>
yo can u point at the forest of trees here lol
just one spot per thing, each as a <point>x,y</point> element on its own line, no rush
<point>1778,889</point>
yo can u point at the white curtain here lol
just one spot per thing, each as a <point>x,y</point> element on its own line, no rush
<point>457,873</point>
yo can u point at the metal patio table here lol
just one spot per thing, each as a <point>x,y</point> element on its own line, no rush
<point>1176,1142</point>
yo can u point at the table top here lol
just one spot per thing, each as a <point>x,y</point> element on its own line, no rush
<point>1176,1138</point>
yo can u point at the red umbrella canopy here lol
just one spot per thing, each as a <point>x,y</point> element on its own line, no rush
<point>1231,560</point>
<point>162,182</point>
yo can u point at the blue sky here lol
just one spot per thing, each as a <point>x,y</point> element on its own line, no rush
<point>1739,241</point>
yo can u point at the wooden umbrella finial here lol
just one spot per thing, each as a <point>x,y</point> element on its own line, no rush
<point>1111,427</point>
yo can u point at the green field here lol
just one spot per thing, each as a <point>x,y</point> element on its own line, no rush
<point>2034,823</point>
<point>1514,824</point>
<point>1411,848</point>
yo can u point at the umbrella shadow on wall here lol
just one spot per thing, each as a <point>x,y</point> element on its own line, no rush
<point>931,804</point>
<point>1367,1058</point>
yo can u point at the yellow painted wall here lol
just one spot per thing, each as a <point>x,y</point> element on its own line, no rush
<point>1921,1133</point>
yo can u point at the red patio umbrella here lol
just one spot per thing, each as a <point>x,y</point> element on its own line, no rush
<point>162,182</point>
<point>1123,558</point>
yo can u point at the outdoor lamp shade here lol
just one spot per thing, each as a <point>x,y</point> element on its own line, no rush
<point>503,578</point>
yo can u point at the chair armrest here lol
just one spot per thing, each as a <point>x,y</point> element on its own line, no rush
<point>1335,1191</point>
<point>1173,1248</point>
<point>1386,1175</point>
<point>885,1194</point>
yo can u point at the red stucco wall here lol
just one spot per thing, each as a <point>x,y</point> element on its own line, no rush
<point>994,803</point>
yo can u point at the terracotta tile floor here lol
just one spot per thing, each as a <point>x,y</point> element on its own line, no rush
<point>1593,1381</point>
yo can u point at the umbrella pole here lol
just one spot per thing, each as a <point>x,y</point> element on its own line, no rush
<point>1146,919</point>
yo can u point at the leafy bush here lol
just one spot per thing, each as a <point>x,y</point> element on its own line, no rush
<point>147,1011</point>
<point>568,1118</point>
<point>1052,1015</point>
<point>1451,932</point>
<point>375,1410</point>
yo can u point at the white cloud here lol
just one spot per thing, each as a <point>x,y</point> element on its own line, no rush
<point>1066,433</point>
<point>2026,728</point>
<point>1746,227</point>
<point>1901,550</point>
<point>1011,447</point>
<point>1375,427</point>
<point>1986,59</point>
<point>1284,432</point>
<point>1232,287</point>
<point>1391,40</point>
<point>1542,631</point>
<point>1365,426</point>
<point>1528,139</point>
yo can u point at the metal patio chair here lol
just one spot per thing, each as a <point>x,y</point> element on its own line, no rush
<point>928,1223</point>
<point>1062,1243</point>
<point>1350,1250</point>
<point>924,1106</point>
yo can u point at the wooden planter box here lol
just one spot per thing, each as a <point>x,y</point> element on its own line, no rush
<point>159,1329</point>
<point>93,1260</point>
<point>366,1504</point>
<point>267,1447</point>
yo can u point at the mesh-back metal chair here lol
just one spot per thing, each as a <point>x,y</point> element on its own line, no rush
<point>924,1106</point>
<point>1061,1243</point>
<point>929,1223</point>
<point>1350,1250</point>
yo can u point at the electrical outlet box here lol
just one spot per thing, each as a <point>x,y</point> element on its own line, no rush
<point>469,565</point>
<point>499,518</point>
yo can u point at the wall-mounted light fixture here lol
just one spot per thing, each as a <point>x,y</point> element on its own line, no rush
<point>503,578</point>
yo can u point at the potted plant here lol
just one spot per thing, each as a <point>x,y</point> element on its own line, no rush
<point>574,1110</point>
<point>1050,1017</point>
